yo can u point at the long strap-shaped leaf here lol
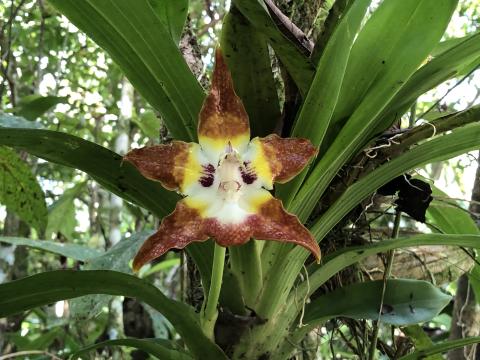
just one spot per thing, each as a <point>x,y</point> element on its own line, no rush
<point>441,348</point>
<point>48,287</point>
<point>427,31</point>
<point>318,107</point>
<point>348,256</point>
<point>445,66</point>
<point>284,313</point>
<point>155,347</point>
<point>73,251</point>
<point>103,165</point>
<point>139,42</point>
<point>246,52</point>
<point>384,40</point>
<point>287,267</point>
<point>458,142</point>
<point>298,65</point>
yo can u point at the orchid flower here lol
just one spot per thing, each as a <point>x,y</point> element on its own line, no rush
<point>225,179</point>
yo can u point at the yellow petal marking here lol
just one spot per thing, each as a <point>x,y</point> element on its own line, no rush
<point>253,200</point>
<point>260,163</point>
<point>192,168</point>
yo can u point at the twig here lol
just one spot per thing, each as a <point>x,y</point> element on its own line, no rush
<point>386,275</point>
<point>449,91</point>
<point>289,29</point>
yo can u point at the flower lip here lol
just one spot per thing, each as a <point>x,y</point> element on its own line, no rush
<point>230,179</point>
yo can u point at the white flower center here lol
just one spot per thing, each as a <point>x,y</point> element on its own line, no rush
<point>230,178</point>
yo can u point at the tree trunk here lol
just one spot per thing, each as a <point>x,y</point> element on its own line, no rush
<point>466,310</point>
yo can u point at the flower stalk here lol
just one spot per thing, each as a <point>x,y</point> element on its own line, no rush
<point>209,312</point>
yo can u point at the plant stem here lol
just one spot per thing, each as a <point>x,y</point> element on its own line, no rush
<point>386,275</point>
<point>209,309</point>
<point>246,265</point>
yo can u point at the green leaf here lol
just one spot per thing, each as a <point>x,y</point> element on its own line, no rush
<point>383,72</point>
<point>160,349</point>
<point>160,266</point>
<point>297,63</point>
<point>61,214</point>
<point>32,107</point>
<point>406,302</point>
<point>420,339</point>
<point>446,65</point>
<point>447,215</point>
<point>459,141</point>
<point>73,251</point>
<point>139,42</point>
<point>322,97</point>
<point>393,42</point>
<point>342,258</point>
<point>318,107</point>
<point>448,44</point>
<point>11,121</point>
<point>117,258</point>
<point>20,191</point>
<point>35,340</point>
<point>441,348</point>
<point>149,123</point>
<point>49,287</point>
<point>173,14</point>
<point>288,262</point>
<point>107,169</point>
<point>246,53</point>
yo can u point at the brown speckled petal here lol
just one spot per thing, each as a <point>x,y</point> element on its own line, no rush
<point>223,118</point>
<point>287,156</point>
<point>274,223</point>
<point>182,227</point>
<point>275,159</point>
<point>176,165</point>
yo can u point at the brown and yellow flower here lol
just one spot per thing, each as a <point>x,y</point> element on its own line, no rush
<point>225,179</point>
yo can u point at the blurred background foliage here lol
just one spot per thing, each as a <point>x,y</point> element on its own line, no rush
<point>59,79</point>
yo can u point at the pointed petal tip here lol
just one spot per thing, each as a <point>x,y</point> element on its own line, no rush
<point>223,116</point>
<point>219,58</point>
<point>182,227</point>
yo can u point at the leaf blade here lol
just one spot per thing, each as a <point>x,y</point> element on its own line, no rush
<point>20,190</point>
<point>73,251</point>
<point>133,35</point>
<point>161,350</point>
<point>246,53</point>
<point>48,287</point>
<point>107,169</point>
<point>405,302</point>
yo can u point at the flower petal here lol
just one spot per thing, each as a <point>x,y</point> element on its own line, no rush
<point>276,159</point>
<point>177,165</point>
<point>258,215</point>
<point>273,223</point>
<point>223,118</point>
<point>182,227</point>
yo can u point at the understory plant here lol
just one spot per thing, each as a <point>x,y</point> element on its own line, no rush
<point>342,136</point>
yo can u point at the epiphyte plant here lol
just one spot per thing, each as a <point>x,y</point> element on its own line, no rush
<point>346,94</point>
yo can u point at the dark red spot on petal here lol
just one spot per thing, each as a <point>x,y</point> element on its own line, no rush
<point>209,168</point>
<point>208,175</point>
<point>248,175</point>
<point>207,180</point>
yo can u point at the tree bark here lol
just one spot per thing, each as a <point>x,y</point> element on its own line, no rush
<point>466,310</point>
